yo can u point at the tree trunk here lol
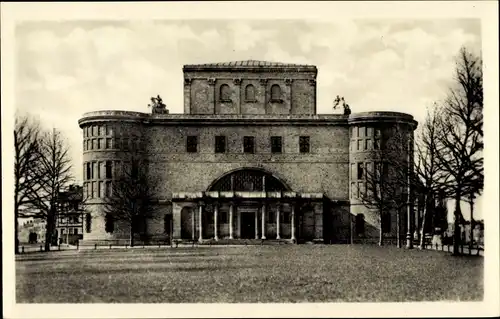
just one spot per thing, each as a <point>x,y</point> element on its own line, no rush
<point>16,228</point>
<point>381,233</point>
<point>422,229</point>
<point>398,229</point>
<point>131,235</point>
<point>49,229</point>
<point>456,226</point>
<point>471,237</point>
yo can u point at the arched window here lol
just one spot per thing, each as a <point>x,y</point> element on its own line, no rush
<point>225,92</point>
<point>88,223</point>
<point>360,224</point>
<point>250,93</point>
<point>109,224</point>
<point>275,92</point>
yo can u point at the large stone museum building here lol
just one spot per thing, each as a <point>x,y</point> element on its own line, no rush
<point>248,159</point>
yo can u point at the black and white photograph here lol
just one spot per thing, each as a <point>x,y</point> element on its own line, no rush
<point>261,159</point>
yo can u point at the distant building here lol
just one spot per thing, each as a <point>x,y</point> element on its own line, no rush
<point>250,158</point>
<point>69,222</point>
<point>32,226</point>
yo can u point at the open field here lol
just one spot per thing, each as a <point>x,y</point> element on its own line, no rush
<point>287,273</point>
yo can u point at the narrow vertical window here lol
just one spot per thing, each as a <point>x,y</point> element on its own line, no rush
<point>89,171</point>
<point>304,144</point>
<point>108,143</point>
<point>276,144</point>
<point>386,223</point>
<point>249,144</point>
<point>361,171</point>
<point>107,190</point>
<point>109,169</point>
<point>192,144</point>
<point>220,144</point>
<point>109,224</point>
<point>88,222</point>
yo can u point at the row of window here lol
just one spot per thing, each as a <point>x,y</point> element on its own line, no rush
<point>97,189</point>
<point>223,217</point>
<point>75,219</point>
<point>98,170</point>
<point>365,131</point>
<point>115,143</point>
<point>362,170</point>
<point>248,144</point>
<point>366,138</point>
<point>225,93</point>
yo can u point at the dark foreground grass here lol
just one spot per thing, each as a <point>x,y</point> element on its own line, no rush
<point>248,274</point>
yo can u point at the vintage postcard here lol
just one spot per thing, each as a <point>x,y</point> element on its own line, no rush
<point>250,159</point>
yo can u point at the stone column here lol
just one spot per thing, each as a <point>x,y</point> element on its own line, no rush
<point>278,221</point>
<point>292,222</point>
<point>193,223</point>
<point>263,83</point>
<point>288,94</point>
<point>263,221</point>
<point>257,224</point>
<point>231,210</point>
<point>200,221</point>
<point>216,212</point>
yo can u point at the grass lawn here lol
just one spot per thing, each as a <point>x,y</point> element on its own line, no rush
<point>291,273</point>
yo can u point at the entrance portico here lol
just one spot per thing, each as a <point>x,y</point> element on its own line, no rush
<point>246,215</point>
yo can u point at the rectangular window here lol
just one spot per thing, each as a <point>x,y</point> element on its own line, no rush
<point>369,131</point>
<point>361,131</point>
<point>100,170</point>
<point>360,145</point>
<point>84,146</point>
<point>361,171</point>
<point>368,145</point>
<point>109,130</point>
<point>94,189</point>
<point>361,189</point>
<point>89,171</point>
<point>94,130</point>
<point>108,143</point>
<point>94,170</point>
<point>304,144</point>
<point>248,144</point>
<point>89,145</point>
<point>220,144</point>
<point>102,130</point>
<point>276,144</point>
<point>125,144</point>
<point>109,169</point>
<point>192,144</point>
<point>94,144</point>
<point>107,190</point>
<point>100,190</point>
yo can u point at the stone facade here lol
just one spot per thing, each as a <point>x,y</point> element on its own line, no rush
<point>253,125</point>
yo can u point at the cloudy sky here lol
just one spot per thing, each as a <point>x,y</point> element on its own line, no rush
<point>69,68</point>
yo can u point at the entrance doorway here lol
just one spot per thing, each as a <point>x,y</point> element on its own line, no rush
<point>247,224</point>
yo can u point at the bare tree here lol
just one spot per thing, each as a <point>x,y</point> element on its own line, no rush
<point>53,173</point>
<point>26,143</point>
<point>386,188</point>
<point>459,146</point>
<point>132,199</point>
<point>430,178</point>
